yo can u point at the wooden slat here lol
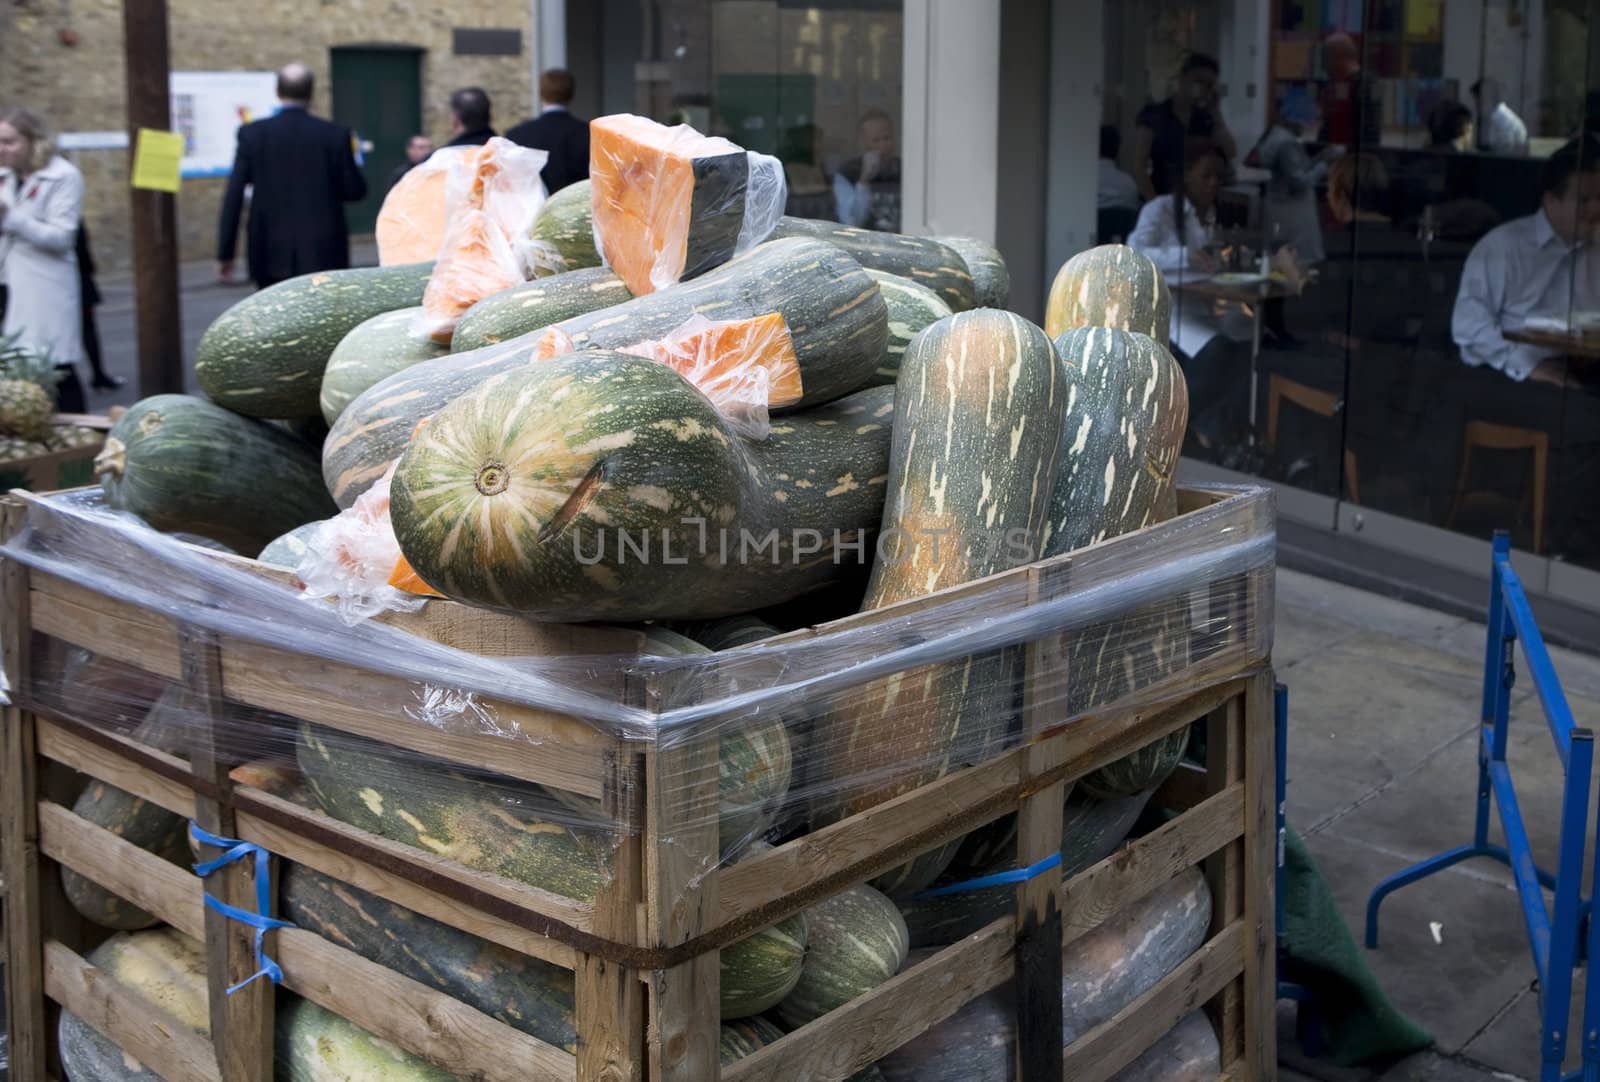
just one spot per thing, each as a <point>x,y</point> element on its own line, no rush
<point>1260,880</point>
<point>58,743</point>
<point>19,825</point>
<point>681,847</point>
<point>764,889</point>
<point>425,1022</point>
<point>396,888</point>
<point>114,629</point>
<point>243,1012</point>
<point>1097,894</point>
<point>871,1026</point>
<point>609,1002</point>
<point>549,749</point>
<point>157,886</point>
<point>1225,868</point>
<point>1121,1039</point>
<point>159,1041</point>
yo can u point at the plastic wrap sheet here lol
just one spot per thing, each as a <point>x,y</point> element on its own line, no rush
<point>805,725</point>
<point>671,203</point>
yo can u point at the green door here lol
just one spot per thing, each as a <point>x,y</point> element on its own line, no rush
<point>377,94</point>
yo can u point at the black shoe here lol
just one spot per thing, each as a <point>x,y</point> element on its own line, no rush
<point>103,382</point>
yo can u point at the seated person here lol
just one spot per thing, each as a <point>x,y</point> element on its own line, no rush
<point>1544,265</point>
<point>866,189</point>
<point>1210,338</point>
<point>1116,188</point>
<point>1450,128</point>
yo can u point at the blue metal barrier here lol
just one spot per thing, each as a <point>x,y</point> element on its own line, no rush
<point>1557,939</point>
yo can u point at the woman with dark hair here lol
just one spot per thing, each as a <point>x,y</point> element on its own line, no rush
<point>1164,127</point>
<point>1450,128</point>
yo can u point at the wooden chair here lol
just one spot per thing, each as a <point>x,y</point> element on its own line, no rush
<point>1497,437</point>
<point>1323,404</point>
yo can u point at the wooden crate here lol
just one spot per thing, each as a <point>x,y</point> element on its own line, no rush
<point>645,952</point>
<point>57,469</point>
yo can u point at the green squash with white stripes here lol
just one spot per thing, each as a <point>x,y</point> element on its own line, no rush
<point>1128,407</point>
<point>1110,286</point>
<point>533,306</point>
<point>991,278</point>
<point>921,259</point>
<point>566,221</point>
<point>856,940</point>
<point>186,465</point>
<point>602,486</point>
<point>912,307</point>
<point>837,322</point>
<point>371,353</point>
<point>979,409</point>
<point>265,356</point>
<point>750,1035</point>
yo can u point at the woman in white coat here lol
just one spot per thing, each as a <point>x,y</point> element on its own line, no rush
<point>1175,232</point>
<point>41,202</point>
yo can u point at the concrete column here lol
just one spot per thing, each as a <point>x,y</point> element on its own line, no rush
<point>952,102</point>
<point>1077,72</point>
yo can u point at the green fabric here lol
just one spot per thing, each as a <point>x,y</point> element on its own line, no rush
<point>1348,1012</point>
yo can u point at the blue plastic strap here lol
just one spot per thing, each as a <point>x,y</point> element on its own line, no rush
<point>234,850</point>
<point>998,879</point>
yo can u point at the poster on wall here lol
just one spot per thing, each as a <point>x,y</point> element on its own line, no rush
<point>208,109</point>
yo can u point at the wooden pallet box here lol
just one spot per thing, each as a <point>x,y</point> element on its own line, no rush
<point>66,467</point>
<point>639,738</point>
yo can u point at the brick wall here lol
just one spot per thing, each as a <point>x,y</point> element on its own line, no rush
<point>80,87</point>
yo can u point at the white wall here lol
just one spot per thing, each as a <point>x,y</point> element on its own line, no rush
<point>952,87</point>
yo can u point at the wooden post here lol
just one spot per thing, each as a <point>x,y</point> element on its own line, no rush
<point>1225,732</point>
<point>155,215</point>
<point>1039,823</point>
<point>1260,879</point>
<point>241,1023</point>
<point>19,826</point>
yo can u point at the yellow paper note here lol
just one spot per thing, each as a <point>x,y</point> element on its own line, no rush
<point>157,158</point>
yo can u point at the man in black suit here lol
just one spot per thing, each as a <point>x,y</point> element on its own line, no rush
<point>469,118</point>
<point>556,132</point>
<point>301,169</point>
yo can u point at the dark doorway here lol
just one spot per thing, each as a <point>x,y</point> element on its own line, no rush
<point>377,94</point>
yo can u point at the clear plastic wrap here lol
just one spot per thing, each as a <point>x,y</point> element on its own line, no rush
<point>412,221</point>
<point>353,559</point>
<point>1118,624</point>
<point>671,203</point>
<point>746,367</point>
<point>492,196</point>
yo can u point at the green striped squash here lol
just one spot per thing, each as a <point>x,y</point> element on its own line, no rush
<point>978,414</point>
<point>1091,831</point>
<point>837,322</point>
<point>991,279</point>
<point>514,830</point>
<point>316,1045</point>
<point>265,356</point>
<point>921,259</point>
<point>1103,971</point>
<point>1110,286</point>
<point>912,307</point>
<point>1129,407</point>
<point>134,819</point>
<point>533,306</point>
<point>856,941</point>
<point>186,465</point>
<point>561,491</point>
<point>567,221</point>
<point>370,353</point>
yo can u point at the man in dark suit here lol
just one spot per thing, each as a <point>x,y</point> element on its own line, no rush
<point>469,118</point>
<point>301,169</point>
<point>556,132</point>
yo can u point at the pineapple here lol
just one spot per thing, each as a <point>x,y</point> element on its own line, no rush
<point>27,390</point>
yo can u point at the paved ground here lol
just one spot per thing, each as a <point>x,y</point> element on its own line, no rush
<point>1383,702</point>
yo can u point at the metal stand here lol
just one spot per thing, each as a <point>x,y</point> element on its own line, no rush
<point>1559,941</point>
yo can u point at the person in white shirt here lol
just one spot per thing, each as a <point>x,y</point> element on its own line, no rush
<point>1117,190</point>
<point>1176,232</point>
<point>1502,130</point>
<point>1544,265</point>
<point>866,190</point>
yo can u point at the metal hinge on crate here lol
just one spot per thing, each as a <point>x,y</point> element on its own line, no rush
<point>238,850</point>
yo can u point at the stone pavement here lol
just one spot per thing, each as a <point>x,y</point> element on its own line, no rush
<point>1383,706</point>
